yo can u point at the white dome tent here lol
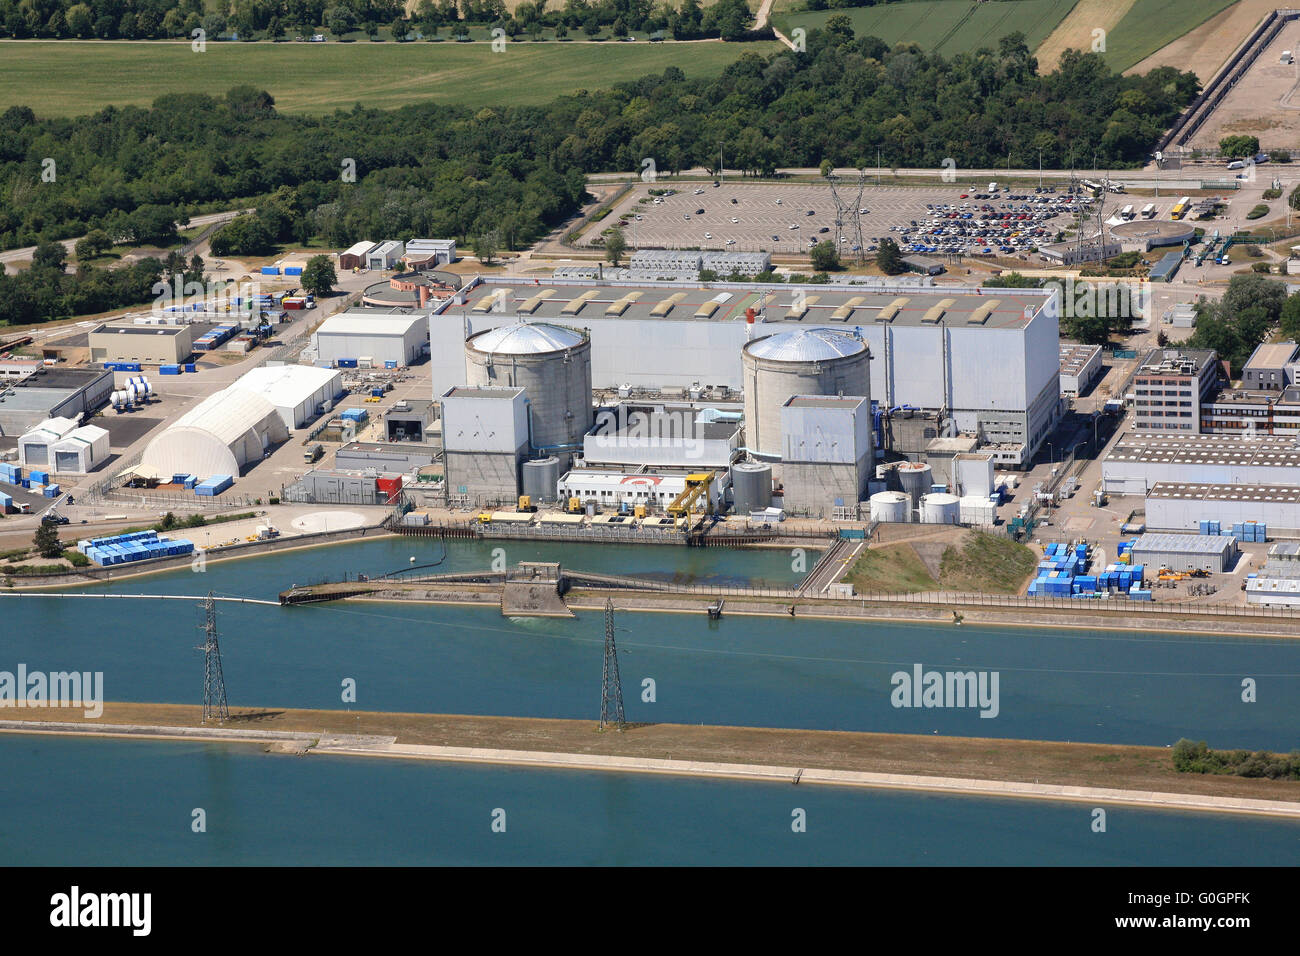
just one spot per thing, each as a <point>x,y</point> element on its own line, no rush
<point>219,436</point>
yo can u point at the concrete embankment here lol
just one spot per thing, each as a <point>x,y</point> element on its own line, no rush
<point>1090,773</point>
<point>913,609</point>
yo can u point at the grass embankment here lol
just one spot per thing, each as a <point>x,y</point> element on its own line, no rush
<point>979,561</point>
<point>1152,24</point>
<point>976,758</point>
<point>62,78</point>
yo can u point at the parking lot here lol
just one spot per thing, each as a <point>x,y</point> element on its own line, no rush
<point>786,219</point>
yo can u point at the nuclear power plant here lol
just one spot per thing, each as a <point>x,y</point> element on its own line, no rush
<point>824,401</point>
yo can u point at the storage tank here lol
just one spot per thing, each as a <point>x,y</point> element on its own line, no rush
<point>540,478</point>
<point>915,478</point>
<point>552,364</point>
<point>940,508</point>
<point>891,506</point>
<point>797,362</point>
<point>751,486</point>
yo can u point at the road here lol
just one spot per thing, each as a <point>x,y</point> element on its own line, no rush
<point>25,254</point>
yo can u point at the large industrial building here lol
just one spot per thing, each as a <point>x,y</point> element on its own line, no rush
<point>662,435</point>
<point>985,365</point>
<point>826,456</point>
<point>1185,552</point>
<point>52,393</point>
<point>147,344</point>
<point>224,433</point>
<point>485,438</point>
<point>1178,506</point>
<point>372,336</point>
<point>298,392</point>
<point>60,446</point>
<point>1138,462</point>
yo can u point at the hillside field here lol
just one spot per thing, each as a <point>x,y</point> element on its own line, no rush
<point>945,26</point>
<point>70,78</point>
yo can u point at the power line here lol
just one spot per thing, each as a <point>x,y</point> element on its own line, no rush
<point>611,687</point>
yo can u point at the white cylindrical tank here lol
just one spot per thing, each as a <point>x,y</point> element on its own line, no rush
<point>751,486</point>
<point>915,477</point>
<point>891,506</point>
<point>798,362</point>
<point>552,363</point>
<point>940,508</point>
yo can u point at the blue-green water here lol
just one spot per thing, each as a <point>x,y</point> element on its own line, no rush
<point>131,802</point>
<point>1109,687</point>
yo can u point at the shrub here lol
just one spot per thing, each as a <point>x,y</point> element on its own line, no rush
<point>76,559</point>
<point>1258,212</point>
<point>1262,267</point>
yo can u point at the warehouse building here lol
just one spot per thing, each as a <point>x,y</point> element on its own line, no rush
<point>1182,316</point>
<point>52,393</point>
<point>355,256</point>
<point>1176,506</point>
<point>81,451</point>
<point>380,335</point>
<point>147,344</point>
<point>429,253</point>
<point>1138,462</point>
<point>1271,367</point>
<point>1170,386</point>
<point>299,393</point>
<point>36,447</point>
<point>321,486</point>
<point>987,362</point>
<point>386,255</point>
<point>1080,367</point>
<point>226,432</point>
<point>485,438</point>
<point>1186,552</point>
<point>827,453</point>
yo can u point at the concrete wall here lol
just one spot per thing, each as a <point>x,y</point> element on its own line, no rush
<point>811,488</point>
<point>486,478</point>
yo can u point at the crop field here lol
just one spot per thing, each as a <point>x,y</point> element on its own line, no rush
<point>1152,24</point>
<point>70,78</point>
<point>943,26</point>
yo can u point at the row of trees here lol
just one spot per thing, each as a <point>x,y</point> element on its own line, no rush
<point>162,19</point>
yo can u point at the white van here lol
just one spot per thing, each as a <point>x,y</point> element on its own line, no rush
<point>1237,164</point>
<point>993,187</point>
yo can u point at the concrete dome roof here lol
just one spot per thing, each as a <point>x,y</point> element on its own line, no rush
<point>806,345</point>
<point>526,338</point>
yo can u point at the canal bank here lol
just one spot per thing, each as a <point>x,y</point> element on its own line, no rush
<point>1090,773</point>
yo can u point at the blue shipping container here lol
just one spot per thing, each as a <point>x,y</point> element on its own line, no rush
<point>270,270</point>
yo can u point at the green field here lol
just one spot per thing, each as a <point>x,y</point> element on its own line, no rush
<point>70,78</point>
<point>1151,24</point>
<point>943,26</point>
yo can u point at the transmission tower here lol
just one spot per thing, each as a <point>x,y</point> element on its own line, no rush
<point>214,684</point>
<point>611,687</point>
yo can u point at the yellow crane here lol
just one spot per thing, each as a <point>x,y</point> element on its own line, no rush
<point>696,493</point>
